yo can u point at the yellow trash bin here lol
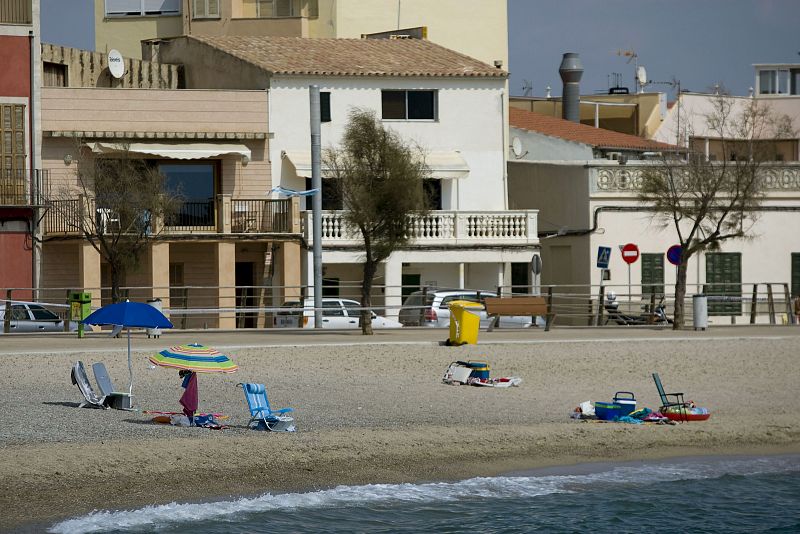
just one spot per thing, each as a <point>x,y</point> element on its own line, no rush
<point>465,321</point>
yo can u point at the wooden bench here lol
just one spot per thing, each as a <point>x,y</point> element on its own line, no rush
<point>505,306</point>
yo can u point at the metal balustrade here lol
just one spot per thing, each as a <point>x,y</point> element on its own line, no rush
<point>261,216</point>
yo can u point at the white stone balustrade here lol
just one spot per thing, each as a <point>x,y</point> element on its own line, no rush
<point>518,227</point>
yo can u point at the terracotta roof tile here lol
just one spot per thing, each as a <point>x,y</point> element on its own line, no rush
<point>581,133</point>
<point>351,57</point>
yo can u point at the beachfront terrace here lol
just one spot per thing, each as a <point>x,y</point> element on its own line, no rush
<point>454,228</point>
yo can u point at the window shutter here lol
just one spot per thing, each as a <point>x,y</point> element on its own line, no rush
<point>724,279</point>
<point>795,273</point>
<point>283,8</point>
<point>213,8</point>
<point>652,275</point>
<point>123,7</point>
<point>313,8</point>
<point>162,6</point>
<point>198,8</point>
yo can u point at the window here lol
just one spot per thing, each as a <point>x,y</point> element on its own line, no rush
<point>205,9</point>
<point>408,105</point>
<point>12,139</point>
<point>54,74</point>
<point>795,273</point>
<point>652,275</point>
<point>277,8</point>
<point>140,8</point>
<point>196,185</point>
<point>332,309</point>
<point>773,82</point>
<point>724,283</point>
<point>325,106</point>
<point>330,287</point>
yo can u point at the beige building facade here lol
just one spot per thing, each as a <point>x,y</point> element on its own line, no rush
<point>477,28</point>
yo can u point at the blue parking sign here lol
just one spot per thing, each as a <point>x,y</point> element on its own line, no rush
<point>603,255</point>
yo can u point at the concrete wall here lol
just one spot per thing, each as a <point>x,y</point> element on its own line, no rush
<point>126,33</point>
<point>469,121</point>
<point>139,110</point>
<point>540,147</point>
<point>90,69</point>
<point>559,191</point>
<point>206,67</point>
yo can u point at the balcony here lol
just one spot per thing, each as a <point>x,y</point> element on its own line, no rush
<point>15,187</point>
<point>223,215</point>
<point>614,178</point>
<point>16,12</point>
<point>441,228</point>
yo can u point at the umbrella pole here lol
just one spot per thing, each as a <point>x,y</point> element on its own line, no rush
<point>130,367</point>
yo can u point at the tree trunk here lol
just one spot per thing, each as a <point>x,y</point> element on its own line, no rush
<point>370,268</point>
<point>680,294</point>
<point>115,281</point>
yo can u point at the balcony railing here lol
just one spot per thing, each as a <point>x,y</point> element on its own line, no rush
<point>778,178</point>
<point>442,228</point>
<point>16,12</point>
<point>261,216</point>
<point>221,215</point>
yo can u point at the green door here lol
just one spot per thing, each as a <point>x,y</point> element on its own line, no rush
<point>652,275</point>
<point>724,281</point>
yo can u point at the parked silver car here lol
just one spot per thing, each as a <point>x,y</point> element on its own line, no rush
<point>336,313</point>
<point>32,317</point>
<point>432,308</point>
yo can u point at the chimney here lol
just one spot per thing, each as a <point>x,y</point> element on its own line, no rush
<point>571,70</point>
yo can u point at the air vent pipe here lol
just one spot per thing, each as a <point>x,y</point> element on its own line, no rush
<point>571,70</point>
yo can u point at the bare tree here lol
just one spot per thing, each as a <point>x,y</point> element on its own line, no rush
<point>711,199</point>
<point>380,178</point>
<point>118,204</point>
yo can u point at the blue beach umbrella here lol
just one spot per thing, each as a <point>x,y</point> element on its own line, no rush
<point>129,315</point>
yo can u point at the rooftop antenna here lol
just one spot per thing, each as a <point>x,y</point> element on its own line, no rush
<point>632,56</point>
<point>527,88</point>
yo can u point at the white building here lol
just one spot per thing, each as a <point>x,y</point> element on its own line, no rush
<point>449,104</point>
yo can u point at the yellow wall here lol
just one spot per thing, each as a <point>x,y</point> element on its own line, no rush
<point>477,28</point>
<point>125,33</point>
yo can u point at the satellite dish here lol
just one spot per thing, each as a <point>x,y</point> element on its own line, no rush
<point>115,64</point>
<point>641,75</point>
<point>516,147</point>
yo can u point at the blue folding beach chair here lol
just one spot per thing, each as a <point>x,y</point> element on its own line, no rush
<point>261,415</point>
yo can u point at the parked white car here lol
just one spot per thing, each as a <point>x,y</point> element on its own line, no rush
<point>432,308</point>
<point>336,313</point>
<point>32,317</point>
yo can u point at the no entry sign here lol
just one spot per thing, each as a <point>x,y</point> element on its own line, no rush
<point>630,253</point>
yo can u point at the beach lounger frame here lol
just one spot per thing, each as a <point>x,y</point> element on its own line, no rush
<point>260,411</point>
<point>81,379</point>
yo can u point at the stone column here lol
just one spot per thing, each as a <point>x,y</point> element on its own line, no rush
<point>89,271</point>
<point>393,278</point>
<point>226,279</point>
<point>159,272</point>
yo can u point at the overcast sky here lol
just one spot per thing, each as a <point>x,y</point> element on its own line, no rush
<point>699,42</point>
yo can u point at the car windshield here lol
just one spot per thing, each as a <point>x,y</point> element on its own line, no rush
<point>42,314</point>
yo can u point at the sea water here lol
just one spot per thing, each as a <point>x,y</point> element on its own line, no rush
<point>720,494</point>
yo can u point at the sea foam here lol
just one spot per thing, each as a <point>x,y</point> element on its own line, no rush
<point>234,511</point>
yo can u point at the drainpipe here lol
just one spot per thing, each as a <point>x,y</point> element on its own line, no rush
<point>33,226</point>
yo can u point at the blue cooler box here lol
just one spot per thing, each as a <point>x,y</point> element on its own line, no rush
<point>626,401</point>
<point>607,411</point>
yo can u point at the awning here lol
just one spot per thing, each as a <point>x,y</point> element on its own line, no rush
<point>176,150</point>
<point>442,164</point>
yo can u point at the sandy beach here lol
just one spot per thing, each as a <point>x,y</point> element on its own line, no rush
<point>374,410</point>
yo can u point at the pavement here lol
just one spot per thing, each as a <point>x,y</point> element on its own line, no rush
<point>234,339</point>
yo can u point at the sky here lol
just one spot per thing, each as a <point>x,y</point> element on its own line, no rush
<point>699,42</point>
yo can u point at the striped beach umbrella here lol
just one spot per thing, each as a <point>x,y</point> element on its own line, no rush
<point>194,357</point>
